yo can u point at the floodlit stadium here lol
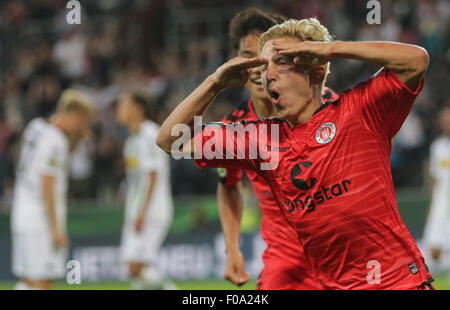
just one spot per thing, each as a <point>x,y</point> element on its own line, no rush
<point>90,94</point>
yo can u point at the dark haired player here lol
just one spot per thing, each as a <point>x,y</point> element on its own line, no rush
<point>437,227</point>
<point>285,266</point>
<point>149,209</point>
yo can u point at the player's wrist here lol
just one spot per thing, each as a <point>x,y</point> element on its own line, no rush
<point>335,49</point>
<point>141,213</point>
<point>233,250</point>
<point>214,83</point>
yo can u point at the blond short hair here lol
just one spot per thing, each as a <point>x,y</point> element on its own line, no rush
<point>75,100</point>
<point>308,29</point>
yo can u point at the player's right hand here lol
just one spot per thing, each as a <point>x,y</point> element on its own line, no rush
<point>234,271</point>
<point>60,239</point>
<point>306,52</point>
<point>234,72</point>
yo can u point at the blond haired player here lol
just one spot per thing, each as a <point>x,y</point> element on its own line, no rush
<point>437,229</point>
<point>329,164</point>
<point>38,218</point>
<point>149,209</point>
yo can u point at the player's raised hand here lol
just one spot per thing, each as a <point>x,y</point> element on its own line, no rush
<point>234,73</point>
<point>234,271</point>
<point>307,52</point>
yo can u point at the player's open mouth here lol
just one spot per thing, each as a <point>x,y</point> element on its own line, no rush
<point>275,96</point>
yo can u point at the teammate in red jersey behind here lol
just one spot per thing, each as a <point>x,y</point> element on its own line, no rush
<point>331,176</point>
<point>285,265</point>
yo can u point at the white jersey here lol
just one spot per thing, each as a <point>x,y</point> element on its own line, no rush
<point>437,228</point>
<point>142,156</point>
<point>44,151</point>
<point>440,171</point>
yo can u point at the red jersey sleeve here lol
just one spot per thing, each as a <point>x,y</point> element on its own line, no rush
<point>232,175</point>
<point>232,145</point>
<point>383,102</point>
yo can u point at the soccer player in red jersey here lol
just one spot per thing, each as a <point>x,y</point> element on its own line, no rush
<point>331,174</point>
<point>285,266</point>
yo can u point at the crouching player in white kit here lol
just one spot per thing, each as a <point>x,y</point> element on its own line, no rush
<point>437,228</point>
<point>149,209</point>
<point>38,216</point>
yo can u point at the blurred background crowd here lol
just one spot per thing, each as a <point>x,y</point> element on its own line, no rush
<point>167,48</point>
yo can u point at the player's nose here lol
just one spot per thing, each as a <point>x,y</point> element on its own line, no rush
<point>270,73</point>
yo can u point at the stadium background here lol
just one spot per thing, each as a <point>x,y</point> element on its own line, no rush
<point>166,48</point>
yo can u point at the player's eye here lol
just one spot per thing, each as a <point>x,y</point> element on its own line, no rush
<point>284,61</point>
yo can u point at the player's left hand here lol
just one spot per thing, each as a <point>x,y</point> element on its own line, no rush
<point>60,239</point>
<point>139,223</point>
<point>307,52</point>
<point>234,270</point>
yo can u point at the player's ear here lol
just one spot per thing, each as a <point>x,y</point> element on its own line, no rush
<point>317,74</point>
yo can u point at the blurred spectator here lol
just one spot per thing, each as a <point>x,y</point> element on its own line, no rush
<point>408,153</point>
<point>44,83</point>
<point>166,47</point>
<point>433,23</point>
<point>69,53</point>
<point>5,135</point>
<point>81,170</point>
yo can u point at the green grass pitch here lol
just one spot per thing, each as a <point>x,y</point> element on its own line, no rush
<point>440,284</point>
<point>182,285</point>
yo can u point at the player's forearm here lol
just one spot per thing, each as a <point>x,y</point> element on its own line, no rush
<point>408,61</point>
<point>194,105</point>
<point>229,200</point>
<point>48,189</point>
<point>153,177</point>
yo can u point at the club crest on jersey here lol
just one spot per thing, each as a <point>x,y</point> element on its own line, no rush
<point>326,133</point>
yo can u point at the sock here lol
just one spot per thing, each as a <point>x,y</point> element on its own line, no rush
<point>151,278</point>
<point>137,284</point>
<point>23,286</point>
<point>169,285</point>
<point>20,286</point>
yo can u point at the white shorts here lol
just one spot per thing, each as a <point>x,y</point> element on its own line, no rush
<point>143,247</point>
<point>437,232</point>
<point>34,257</point>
